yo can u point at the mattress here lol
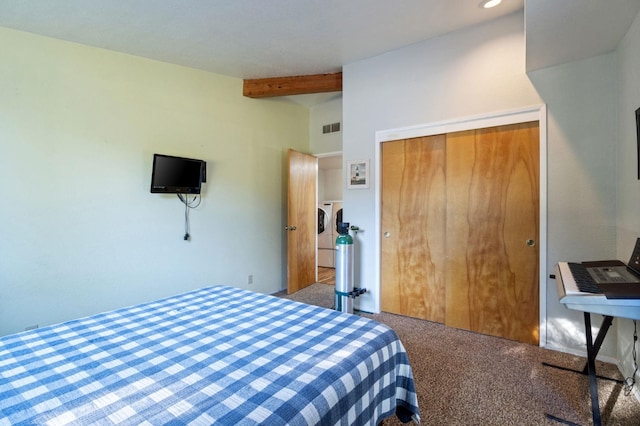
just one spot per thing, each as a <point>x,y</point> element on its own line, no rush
<point>217,355</point>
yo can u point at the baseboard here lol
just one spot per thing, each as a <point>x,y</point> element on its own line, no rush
<point>583,354</point>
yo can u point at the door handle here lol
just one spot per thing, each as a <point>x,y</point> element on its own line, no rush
<point>290,228</point>
<point>531,243</point>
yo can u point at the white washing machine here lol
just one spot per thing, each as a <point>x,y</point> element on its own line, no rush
<point>337,217</point>
<point>326,236</point>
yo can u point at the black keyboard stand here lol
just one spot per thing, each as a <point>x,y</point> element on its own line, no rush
<point>593,347</point>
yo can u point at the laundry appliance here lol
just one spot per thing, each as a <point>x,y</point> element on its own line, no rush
<point>337,217</point>
<point>326,236</point>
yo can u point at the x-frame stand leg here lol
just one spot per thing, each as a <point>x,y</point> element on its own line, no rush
<point>592,351</point>
<point>593,347</point>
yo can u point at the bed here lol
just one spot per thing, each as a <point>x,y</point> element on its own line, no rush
<point>217,355</point>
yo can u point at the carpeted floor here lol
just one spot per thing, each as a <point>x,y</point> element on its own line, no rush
<point>464,378</point>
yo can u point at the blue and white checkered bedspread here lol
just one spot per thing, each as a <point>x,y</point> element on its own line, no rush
<point>217,355</point>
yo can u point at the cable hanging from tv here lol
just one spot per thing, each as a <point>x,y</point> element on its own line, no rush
<point>188,204</point>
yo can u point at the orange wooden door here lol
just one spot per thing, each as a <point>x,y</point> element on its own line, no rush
<point>492,230</point>
<point>413,227</point>
<point>459,223</point>
<point>301,221</point>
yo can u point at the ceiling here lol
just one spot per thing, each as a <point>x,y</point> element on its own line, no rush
<point>249,38</point>
<point>560,31</point>
<point>259,38</point>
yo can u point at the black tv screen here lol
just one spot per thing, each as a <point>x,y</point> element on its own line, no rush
<point>177,175</point>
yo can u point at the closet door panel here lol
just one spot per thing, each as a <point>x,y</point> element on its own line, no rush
<point>492,229</point>
<point>413,227</point>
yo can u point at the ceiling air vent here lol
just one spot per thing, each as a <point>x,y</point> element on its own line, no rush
<point>331,128</point>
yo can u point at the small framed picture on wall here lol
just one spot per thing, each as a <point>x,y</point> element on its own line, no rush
<point>358,174</point>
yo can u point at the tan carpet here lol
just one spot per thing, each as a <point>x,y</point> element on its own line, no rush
<point>464,378</point>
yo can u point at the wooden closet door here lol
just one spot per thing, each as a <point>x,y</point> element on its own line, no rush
<point>413,227</point>
<point>492,229</point>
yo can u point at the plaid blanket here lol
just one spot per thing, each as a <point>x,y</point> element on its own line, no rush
<point>217,355</point>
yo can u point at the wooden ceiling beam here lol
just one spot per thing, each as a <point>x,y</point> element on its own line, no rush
<point>295,85</point>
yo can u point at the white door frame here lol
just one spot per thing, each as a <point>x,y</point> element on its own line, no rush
<point>318,156</point>
<point>514,116</point>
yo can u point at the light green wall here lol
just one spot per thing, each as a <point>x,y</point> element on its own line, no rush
<point>79,230</point>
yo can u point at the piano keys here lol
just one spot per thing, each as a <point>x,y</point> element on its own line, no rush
<point>570,296</point>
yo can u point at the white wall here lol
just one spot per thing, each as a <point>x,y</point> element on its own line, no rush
<point>79,230</point>
<point>478,71</point>
<point>439,79</point>
<point>628,185</point>
<point>581,100</point>
<point>329,179</point>
<point>330,184</point>
<point>325,113</point>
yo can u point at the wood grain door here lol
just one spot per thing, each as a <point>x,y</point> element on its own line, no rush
<point>413,227</point>
<point>492,230</point>
<point>301,220</point>
<point>459,223</point>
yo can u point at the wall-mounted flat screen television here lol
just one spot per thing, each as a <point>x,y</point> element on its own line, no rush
<point>177,175</point>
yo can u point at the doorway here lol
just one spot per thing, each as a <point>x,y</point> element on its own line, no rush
<point>330,182</point>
